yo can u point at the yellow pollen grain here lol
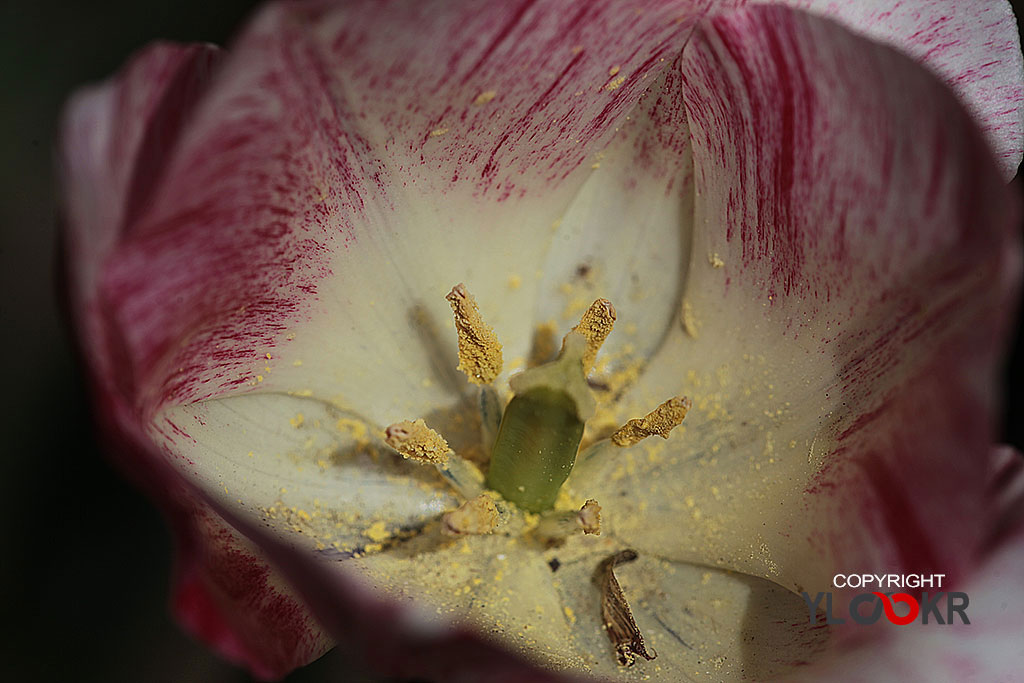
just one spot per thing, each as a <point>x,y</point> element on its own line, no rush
<point>479,348</point>
<point>377,532</point>
<point>416,441</point>
<point>569,614</point>
<point>660,421</point>
<point>716,261</point>
<point>615,83</point>
<point>595,326</point>
<point>614,70</point>
<point>297,363</point>
<point>689,320</point>
<point>355,428</point>
<point>514,281</point>
<point>474,517</point>
<point>297,420</point>
<point>438,132</point>
<point>485,97</point>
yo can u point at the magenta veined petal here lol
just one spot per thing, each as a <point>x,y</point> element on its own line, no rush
<point>973,46</point>
<point>827,341</point>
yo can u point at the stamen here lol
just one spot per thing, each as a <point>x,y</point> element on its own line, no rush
<point>660,421</point>
<point>474,517</point>
<point>479,348</point>
<point>490,416</point>
<point>416,441</point>
<point>554,527</point>
<point>595,326</point>
<point>544,345</point>
<point>615,613</point>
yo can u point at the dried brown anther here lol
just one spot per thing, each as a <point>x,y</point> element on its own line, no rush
<point>615,613</point>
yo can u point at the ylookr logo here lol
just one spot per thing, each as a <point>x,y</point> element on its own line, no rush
<point>868,607</point>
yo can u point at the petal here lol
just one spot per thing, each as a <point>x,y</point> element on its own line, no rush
<point>400,640</point>
<point>974,46</point>
<point>228,595</point>
<point>626,235</point>
<point>849,290</point>
<point>115,141</point>
<point>988,648</point>
<point>326,218</point>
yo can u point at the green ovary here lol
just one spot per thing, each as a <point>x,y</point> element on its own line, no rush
<point>536,447</point>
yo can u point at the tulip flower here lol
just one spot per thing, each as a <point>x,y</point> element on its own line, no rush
<point>778,236</point>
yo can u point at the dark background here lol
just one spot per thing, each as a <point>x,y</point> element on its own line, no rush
<point>84,559</point>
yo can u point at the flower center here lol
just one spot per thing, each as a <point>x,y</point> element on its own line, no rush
<point>535,447</point>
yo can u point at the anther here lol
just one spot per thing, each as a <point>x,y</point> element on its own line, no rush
<point>589,517</point>
<point>595,326</point>
<point>479,348</point>
<point>554,527</point>
<point>474,517</point>
<point>660,421</point>
<point>416,441</point>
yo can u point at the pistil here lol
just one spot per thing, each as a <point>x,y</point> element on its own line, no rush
<point>541,429</point>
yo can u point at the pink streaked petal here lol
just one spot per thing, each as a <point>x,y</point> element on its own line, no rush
<point>229,596</point>
<point>115,142</point>
<point>848,294</point>
<point>987,649</point>
<point>974,46</point>
<point>224,590</point>
<point>287,204</point>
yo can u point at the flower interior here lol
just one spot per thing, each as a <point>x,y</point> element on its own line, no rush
<point>814,276</point>
<point>524,513</point>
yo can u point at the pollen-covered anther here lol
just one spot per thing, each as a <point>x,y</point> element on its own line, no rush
<point>660,421</point>
<point>595,326</point>
<point>479,348</point>
<point>589,518</point>
<point>474,517</point>
<point>416,441</point>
